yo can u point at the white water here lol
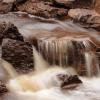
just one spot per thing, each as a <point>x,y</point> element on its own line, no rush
<point>89,90</point>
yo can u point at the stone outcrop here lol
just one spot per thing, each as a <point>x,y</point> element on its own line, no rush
<point>88,18</point>
<point>40,8</point>
<point>19,54</point>
<point>45,8</point>
<point>8,30</point>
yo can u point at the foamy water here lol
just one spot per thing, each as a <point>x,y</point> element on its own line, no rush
<point>89,90</point>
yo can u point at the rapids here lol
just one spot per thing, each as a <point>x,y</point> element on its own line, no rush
<point>61,43</point>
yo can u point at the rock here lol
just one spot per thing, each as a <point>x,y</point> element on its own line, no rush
<point>20,1</point>
<point>89,18</point>
<point>69,82</point>
<point>97,6</point>
<point>74,3</point>
<point>43,9</point>
<point>5,7</point>
<point>8,1</point>
<point>63,3</point>
<point>19,54</point>
<point>3,89</point>
<point>8,30</point>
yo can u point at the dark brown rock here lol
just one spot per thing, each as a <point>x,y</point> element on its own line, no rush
<point>8,30</point>
<point>3,88</point>
<point>19,54</point>
<point>63,3</point>
<point>69,82</point>
<point>20,1</point>
<point>74,3</point>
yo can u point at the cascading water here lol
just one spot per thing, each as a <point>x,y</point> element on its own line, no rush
<point>58,46</point>
<point>92,65</point>
<point>79,53</point>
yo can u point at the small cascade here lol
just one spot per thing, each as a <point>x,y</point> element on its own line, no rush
<point>92,64</point>
<point>79,53</point>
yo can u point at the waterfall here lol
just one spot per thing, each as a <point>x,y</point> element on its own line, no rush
<point>92,64</point>
<point>79,53</point>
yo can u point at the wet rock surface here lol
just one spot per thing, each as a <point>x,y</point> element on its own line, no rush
<point>41,8</point>
<point>88,18</point>
<point>19,54</point>
<point>5,7</point>
<point>3,89</point>
<point>8,30</point>
<point>69,82</point>
<point>44,8</point>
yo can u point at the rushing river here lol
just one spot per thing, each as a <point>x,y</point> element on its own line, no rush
<point>61,43</point>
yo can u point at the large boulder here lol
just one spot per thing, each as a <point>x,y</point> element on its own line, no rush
<point>19,54</point>
<point>41,8</point>
<point>88,18</point>
<point>9,30</point>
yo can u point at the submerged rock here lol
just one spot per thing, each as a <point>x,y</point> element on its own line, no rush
<point>89,18</point>
<point>69,82</point>
<point>19,54</point>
